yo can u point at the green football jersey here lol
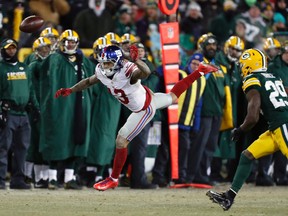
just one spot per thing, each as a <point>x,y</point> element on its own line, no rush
<point>274,100</point>
<point>16,85</point>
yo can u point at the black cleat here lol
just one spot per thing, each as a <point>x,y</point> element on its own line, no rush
<point>220,198</point>
<point>73,184</point>
<point>53,185</point>
<point>41,184</point>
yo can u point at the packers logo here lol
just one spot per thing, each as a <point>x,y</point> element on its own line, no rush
<point>245,56</point>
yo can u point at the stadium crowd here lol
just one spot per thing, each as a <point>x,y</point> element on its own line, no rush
<point>70,142</point>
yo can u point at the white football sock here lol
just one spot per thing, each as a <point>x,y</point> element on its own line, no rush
<point>52,174</point>
<point>69,174</point>
<point>45,172</point>
<point>28,169</point>
<point>91,169</point>
<point>38,172</point>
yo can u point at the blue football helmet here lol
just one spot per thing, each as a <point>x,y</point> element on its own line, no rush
<point>111,54</point>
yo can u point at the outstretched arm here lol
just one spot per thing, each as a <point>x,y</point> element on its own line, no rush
<point>83,84</point>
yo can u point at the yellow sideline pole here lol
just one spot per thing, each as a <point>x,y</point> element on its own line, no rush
<point>18,14</point>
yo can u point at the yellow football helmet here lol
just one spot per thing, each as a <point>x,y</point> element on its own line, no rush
<point>112,38</point>
<point>39,47</point>
<point>251,61</point>
<point>271,43</point>
<point>272,47</point>
<point>234,43</point>
<point>49,32</point>
<point>128,38</point>
<point>99,44</point>
<point>52,34</point>
<point>65,37</point>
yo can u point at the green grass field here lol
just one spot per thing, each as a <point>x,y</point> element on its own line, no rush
<point>251,201</point>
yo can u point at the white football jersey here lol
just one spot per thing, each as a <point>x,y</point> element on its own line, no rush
<point>132,96</point>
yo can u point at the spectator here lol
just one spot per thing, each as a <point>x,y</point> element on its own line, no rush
<point>76,6</point>
<point>96,16</point>
<point>256,28</point>
<point>191,27</point>
<point>124,21</point>
<point>139,9</point>
<point>279,23</point>
<point>268,14</point>
<point>240,31</point>
<point>154,44</point>
<point>210,9</point>
<point>225,20</point>
<point>151,16</point>
<point>49,10</point>
<point>281,7</point>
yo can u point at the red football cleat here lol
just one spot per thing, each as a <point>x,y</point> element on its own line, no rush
<point>105,184</point>
<point>207,68</point>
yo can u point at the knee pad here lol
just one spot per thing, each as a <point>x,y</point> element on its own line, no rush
<point>162,100</point>
<point>121,141</point>
<point>123,132</point>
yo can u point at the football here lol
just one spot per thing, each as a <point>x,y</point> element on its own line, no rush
<point>31,24</point>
